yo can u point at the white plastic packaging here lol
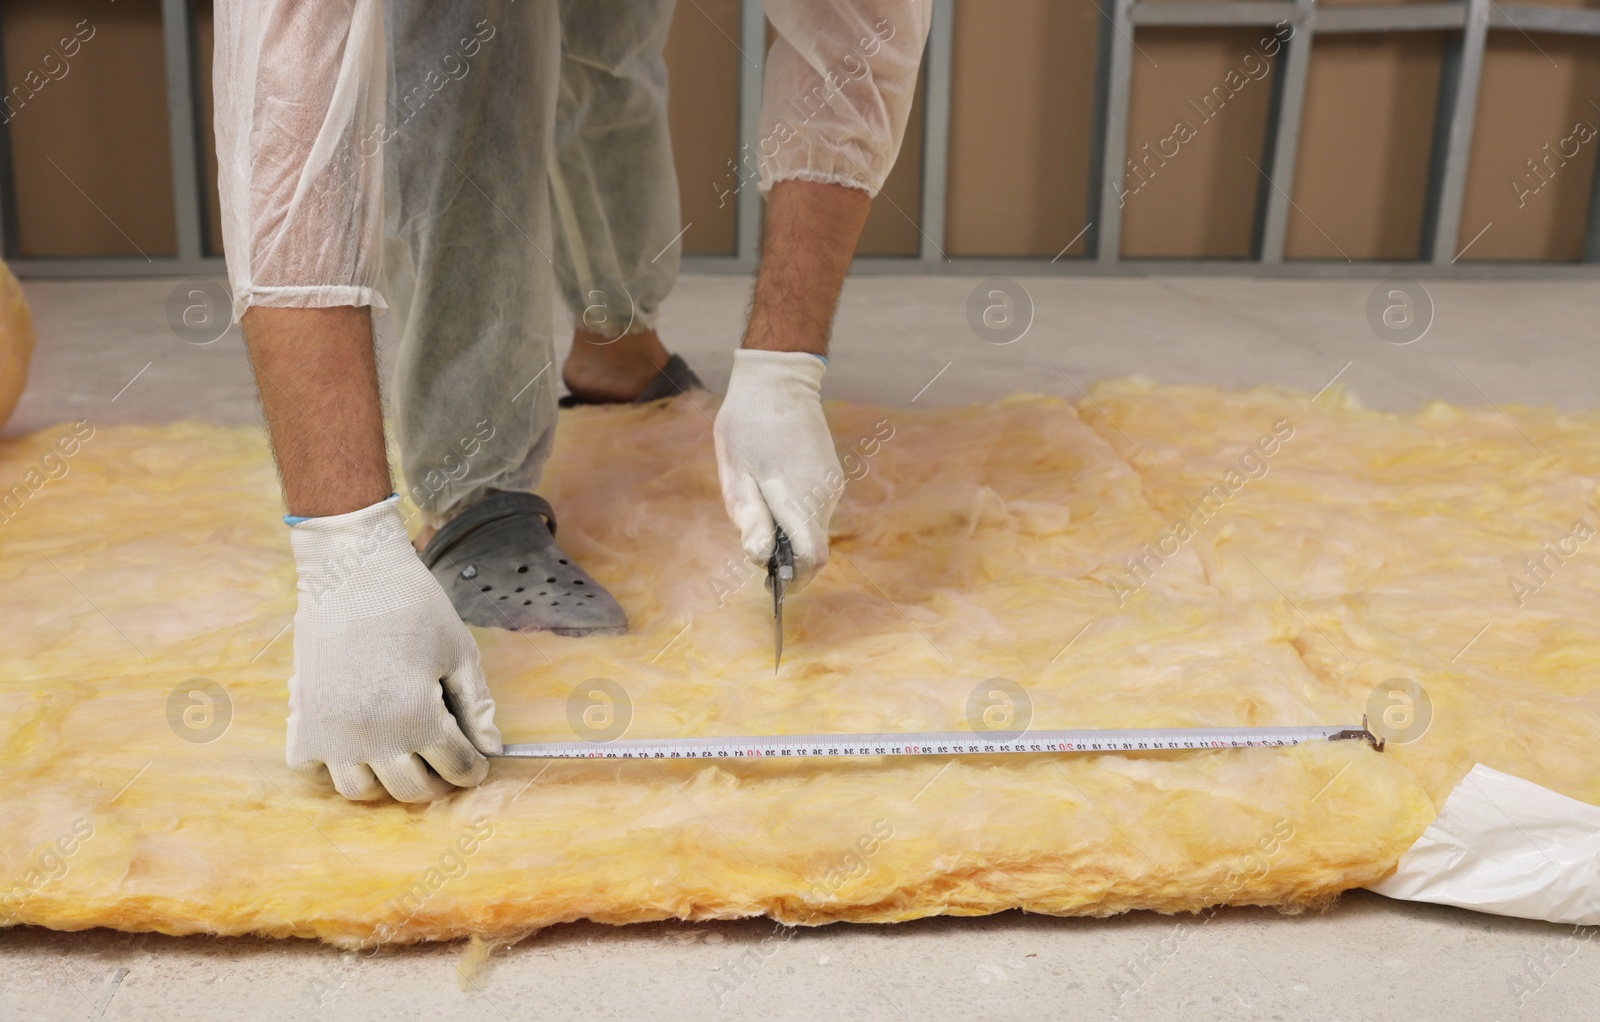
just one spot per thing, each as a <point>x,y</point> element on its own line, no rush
<point>1507,846</point>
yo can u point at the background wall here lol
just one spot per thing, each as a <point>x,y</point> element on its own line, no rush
<point>1364,146</point>
<point>1021,126</point>
<point>95,133</point>
<point>92,171</point>
<point>1536,89</point>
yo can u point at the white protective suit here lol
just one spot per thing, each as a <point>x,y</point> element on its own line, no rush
<point>506,136</point>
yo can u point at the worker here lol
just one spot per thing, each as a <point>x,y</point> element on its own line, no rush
<point>456,163</point>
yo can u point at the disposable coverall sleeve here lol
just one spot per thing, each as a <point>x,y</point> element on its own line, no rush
<point>300,96</point>
<point>838,88</point>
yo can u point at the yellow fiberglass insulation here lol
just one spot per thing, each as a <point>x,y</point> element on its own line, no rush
<point>1324,551</point>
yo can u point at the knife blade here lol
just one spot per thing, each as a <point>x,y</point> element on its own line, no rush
<point>780,572</point>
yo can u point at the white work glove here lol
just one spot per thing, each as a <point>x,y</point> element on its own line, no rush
<point>386,677</point>
<point>775,457</point>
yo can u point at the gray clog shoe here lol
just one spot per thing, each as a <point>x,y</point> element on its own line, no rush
<point>499,562</point>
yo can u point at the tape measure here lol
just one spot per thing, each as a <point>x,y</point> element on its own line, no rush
<point>945,743</point>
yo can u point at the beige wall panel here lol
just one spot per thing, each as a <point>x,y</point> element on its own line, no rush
<point>1361,177</point>
<point>1021,126</point>
<point>1200,199</point>
<point>94,132</point>
<point>703,109</point>
<point>1535,92</point>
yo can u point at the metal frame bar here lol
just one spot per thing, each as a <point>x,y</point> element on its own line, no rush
<point>1095,185</point>
<point>1198,13</point>
<point>975,266</point>
<point>1536,18</point>
<point>1458,106</point>
<point>752,65</point>
<point>1591,230</point>
<point>1283,134</point>
<point>1425,17</point>
<point>77,267</point>
<point>936,131</point>
<point>1113,136</point>
<point>1454,122</point>
<point>1299,269</point>
<point>188,202</point>
<point>1349,18</point>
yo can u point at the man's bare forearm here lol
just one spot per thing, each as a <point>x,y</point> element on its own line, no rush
<point>809,240</point>
<point>318,378</point>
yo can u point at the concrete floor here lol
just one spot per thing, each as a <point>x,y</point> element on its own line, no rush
<point>107,352</point>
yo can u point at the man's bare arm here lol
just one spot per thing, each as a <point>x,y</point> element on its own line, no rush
<point>384,670</point>
<point>810,238</point>
<point>775,457</point>
<point>318,378</point>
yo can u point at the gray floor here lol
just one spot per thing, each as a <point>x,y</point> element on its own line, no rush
<point>107,351</point>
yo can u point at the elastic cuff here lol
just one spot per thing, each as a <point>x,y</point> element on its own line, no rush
<point>768,368</point>
<point>847,179</point>
<point>319,296</point>
<point>762,356</point>
<point>293,520</point>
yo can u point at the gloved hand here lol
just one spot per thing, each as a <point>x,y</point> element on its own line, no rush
<point>386,677</point>
<point>775,457</point>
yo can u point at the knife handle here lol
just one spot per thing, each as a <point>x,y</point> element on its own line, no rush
<point>782,560</point>
<point>780,564</point>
